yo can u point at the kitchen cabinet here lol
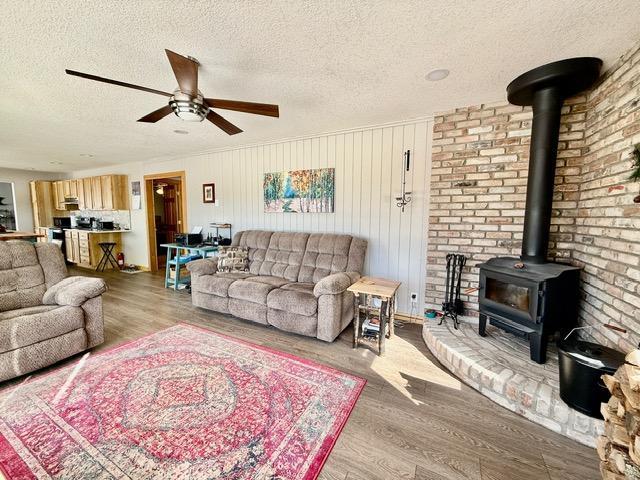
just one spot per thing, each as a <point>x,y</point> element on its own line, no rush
<point>58,195</point>
<point>42,231</point>
<point>42,203</point>
<point>81,247</point>
<point>88,194</point>
<point>80,194</point>
<point>96,193</point>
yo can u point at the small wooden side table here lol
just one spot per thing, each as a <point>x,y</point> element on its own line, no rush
<point>380,288</point>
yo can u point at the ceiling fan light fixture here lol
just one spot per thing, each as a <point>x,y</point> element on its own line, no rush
<point>188,108</point>
<point>189,111</point>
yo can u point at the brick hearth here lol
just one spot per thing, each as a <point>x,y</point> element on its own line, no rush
<point>499,367</point>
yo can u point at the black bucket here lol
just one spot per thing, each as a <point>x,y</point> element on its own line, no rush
<point>581,366</point>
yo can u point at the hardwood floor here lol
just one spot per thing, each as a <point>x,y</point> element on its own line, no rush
<point>414,420</point>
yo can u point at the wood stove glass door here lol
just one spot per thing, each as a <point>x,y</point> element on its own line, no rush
<point>510,294</point>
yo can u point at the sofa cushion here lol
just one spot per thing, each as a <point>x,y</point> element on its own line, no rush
<point>233,259</point>
<point>269,280</point>
<point>325,254</point>
<point>74,291</point>
<point>292,322</point>
<point>27,326</point>
<point>219,283</point>
<point>284,255</point>
<point>250,291</point>
<point>293,300</point>
<point>22,282</point>
<point>51,260</point>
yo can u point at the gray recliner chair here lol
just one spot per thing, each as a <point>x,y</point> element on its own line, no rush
<point>45,315</point>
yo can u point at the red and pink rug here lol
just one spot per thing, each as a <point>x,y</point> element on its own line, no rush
<point>181,403</point>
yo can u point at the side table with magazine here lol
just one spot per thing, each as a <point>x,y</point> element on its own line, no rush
<point>375,298</point>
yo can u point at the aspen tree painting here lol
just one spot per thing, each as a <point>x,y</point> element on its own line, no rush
<point>299,191</point>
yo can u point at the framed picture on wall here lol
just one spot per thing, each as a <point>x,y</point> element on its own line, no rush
<point>209,193</point>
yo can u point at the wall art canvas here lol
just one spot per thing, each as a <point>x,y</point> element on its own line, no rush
<point>300,191</point>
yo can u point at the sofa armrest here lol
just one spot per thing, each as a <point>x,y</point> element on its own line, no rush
<point>74,291</point>
<point>204,266</point>
<point>335,283</point>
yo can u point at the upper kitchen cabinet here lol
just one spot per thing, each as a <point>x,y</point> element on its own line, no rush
<point>109,192</point>
<point>102,192</point>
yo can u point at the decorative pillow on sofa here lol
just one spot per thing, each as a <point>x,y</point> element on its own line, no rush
<point>233,259</point>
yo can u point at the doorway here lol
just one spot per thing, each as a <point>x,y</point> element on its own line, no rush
<point>166,213</point>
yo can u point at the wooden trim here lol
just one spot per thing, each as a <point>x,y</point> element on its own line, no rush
<point>151,220</point>
<point>157,176</point>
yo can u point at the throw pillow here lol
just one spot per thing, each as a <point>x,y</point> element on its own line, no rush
<point>233,259</point>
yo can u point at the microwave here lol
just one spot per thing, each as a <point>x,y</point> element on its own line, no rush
<point>62,222</point>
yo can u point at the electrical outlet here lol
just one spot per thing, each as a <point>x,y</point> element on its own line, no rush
<point>414,297</point>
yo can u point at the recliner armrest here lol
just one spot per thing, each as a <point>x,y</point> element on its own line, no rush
<point>74,291</point>
<point>204,266</point>
<point>335,283</point>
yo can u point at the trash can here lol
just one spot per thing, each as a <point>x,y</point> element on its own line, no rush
<point>581,366</point>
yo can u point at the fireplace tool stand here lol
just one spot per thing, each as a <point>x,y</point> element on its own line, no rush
<point>452,305</point>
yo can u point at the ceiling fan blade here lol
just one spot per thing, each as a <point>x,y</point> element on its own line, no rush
<point>115,82</point>
<point>156,115</point>
<point>247,107</point>
<point>186,72</point>
<point>224,124</point>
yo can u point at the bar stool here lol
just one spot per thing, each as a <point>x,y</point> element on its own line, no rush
<point>107,256</point>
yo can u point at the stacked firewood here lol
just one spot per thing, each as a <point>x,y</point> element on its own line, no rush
<point>619,447</point>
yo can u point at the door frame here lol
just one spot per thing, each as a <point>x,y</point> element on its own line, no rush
<point>151,219</point>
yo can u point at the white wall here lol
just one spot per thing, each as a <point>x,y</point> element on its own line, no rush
<point>368,165</point>
<point>20,180</point>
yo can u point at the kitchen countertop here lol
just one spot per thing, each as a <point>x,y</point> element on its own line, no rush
<point>18,235</point>
<point>95,231</point>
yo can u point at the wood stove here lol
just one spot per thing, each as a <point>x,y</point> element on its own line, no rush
<point>531,296</point>
<point>531,300</point>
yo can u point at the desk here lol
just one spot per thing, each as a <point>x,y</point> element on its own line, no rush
<point>380,288</point>
<point>176,259</point>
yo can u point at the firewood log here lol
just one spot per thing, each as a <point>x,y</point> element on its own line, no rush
<point>603,447</point>
<point>633,374</point>
<point>607,474</point>
<point>632,454</point>
<point>633,358</point>
<point>617,434</point>
<point>613,385</point>
<point>618,459</point>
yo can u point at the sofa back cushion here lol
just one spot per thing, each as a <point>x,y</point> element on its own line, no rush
<point>284,255</point>
<point>22,282</point>
<point>328,253</point>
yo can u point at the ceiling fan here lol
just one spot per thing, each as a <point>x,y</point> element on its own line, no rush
<point>186,101</point>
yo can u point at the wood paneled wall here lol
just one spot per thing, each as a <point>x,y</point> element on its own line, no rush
<point>368,165</point>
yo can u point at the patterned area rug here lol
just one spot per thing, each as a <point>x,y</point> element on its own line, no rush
<point>183,403</point>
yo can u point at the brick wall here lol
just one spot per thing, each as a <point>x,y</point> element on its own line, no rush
<point>607,232</point>
<point>478,189</point>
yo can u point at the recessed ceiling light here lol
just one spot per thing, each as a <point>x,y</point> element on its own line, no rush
<point>180,132</point>
<point>438,74</point>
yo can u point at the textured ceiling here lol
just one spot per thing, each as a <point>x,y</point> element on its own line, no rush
<point>329,64</point>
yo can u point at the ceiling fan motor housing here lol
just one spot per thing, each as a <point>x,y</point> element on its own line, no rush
<point>187,107</point>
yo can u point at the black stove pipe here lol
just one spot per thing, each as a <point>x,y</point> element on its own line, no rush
<point>546,88</point>
<point>547,105</point>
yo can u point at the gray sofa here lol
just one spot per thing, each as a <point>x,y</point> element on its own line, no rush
<point>45,315</point>
<point>296,281</point>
